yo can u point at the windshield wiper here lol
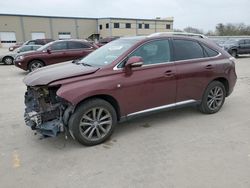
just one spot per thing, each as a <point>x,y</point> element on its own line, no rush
<point>86,64</point>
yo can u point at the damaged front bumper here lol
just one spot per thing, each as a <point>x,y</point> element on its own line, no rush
<point>45,112</point>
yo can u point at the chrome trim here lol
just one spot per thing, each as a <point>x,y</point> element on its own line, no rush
<point>204,58</point>
<point>177,33</point>
<point>162,107</point>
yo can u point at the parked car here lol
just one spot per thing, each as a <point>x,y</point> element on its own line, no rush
<point>54,52</point>
<point>126,78</point>
<point>106,40</point>
<point>17,45</point>
<point>8,58</point>
<point>237,46</point>
<point>31,42</point>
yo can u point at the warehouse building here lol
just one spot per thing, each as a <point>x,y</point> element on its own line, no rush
<point>20,28</point>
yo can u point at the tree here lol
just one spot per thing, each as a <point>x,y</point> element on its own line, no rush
<point>232,29</point>
<point>193,30</point>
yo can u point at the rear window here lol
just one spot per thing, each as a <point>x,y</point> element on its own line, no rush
<point>187,49</point>
<point>210,52</point>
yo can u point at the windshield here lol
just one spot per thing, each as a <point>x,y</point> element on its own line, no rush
<point>109,52</point>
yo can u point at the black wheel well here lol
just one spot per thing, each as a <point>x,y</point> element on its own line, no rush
<point>107,98</point>
<point>224,81</point>
<point>7,56</point>
<point>35,60</point>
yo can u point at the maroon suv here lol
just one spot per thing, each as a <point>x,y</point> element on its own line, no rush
<point>125,78</point>
<point>54,52</point>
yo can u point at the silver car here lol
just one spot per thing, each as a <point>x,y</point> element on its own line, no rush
<point>8,58</point>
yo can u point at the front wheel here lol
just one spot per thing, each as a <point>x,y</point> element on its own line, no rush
<point>35,64</point>
<point>93,122</point>
<point>213,98</point>
<point>8,60</point>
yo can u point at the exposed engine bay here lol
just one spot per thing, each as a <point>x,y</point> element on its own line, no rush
<point>45,112</point>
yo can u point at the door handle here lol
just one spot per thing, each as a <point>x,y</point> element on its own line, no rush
<point>169,73</point>
<point>209,67</point>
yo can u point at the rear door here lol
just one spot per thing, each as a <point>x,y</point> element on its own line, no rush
<point>194,68</point>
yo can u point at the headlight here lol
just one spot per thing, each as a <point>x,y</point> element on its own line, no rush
<point>11,48</point>
<point>19,58</point>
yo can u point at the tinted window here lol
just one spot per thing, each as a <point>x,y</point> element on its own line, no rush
<point>77,45</point>
<point>187,49</point>
<point>154,52</point>
<point>210,52</point>
<point>59,46</point>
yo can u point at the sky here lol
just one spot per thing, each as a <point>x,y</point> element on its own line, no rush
<point>200,14</point>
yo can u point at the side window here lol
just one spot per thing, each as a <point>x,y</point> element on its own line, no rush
<point>154,52</point>
<point>26,48</point>
<point>210,52</point>
<point>77,45</point>
<point>247,41</point>
<point>59,46</point>
<point>187,49</point>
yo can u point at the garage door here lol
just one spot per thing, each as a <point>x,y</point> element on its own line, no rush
<point>37,35</point>
<point>7,38</point>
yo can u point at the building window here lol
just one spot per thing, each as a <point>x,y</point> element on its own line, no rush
<point>64,35</point>
<point>128,25</point>
<point>100,27</point>
<point>116,25</point>
<point>168,26</point>
<point>140,26</point>
<point>107,25</point>
<point>146,26</point>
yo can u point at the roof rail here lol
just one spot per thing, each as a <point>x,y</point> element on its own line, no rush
<point>177,33</point>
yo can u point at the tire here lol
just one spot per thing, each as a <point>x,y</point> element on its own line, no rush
<point>8,60</point>
<point>35,64</point>
<point>234,53</point>
<point>93,122</point>
<point>213,98</point>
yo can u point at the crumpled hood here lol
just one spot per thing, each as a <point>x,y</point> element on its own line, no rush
<point>46,75</point>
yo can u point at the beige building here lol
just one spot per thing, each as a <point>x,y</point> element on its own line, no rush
<point>20,28</point>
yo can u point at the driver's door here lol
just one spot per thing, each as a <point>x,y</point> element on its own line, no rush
<point>152,85</point>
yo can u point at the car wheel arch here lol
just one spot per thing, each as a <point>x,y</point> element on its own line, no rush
<point>224,81</point>
<point>5,57</point>
<point>110,99</point>
<point>28,64</point>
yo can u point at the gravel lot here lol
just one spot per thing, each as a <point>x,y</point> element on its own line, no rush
<point>176,149</point>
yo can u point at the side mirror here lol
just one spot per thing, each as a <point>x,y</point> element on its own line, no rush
<point>135,61</point>
<point>49,51</point>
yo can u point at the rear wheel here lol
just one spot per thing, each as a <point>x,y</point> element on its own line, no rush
<point>93,122</point>
<point>8,60</point>
<point>213,98</point>
<point>35,64</point>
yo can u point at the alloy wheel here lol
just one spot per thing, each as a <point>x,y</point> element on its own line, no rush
<point>215,98</point>
<point>95,124</point>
